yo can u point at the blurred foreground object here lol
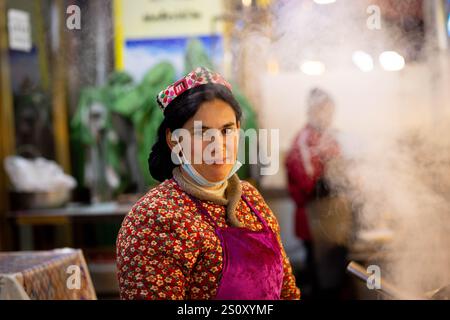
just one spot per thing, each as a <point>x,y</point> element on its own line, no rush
<point>59,274</point>
<point>37,183</point>
<point>442,293</point>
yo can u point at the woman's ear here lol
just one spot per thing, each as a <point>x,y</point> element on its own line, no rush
<point>239,124</point>
<point>169,141</point>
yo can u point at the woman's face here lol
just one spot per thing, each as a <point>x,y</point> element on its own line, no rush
<point>321,116</point>
<point>214,139</point>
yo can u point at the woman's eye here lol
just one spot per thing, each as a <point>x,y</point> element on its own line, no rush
<point>228,131</point>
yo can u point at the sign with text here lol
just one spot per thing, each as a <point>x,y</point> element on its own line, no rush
<point>149,31</point>
<point>19,30</point>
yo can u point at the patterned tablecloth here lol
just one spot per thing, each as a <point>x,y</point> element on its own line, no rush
<point>59,274</point>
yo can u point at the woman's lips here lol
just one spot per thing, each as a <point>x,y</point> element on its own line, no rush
<point>223,162</point>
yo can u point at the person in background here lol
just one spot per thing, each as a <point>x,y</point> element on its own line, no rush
<point>306,161</point>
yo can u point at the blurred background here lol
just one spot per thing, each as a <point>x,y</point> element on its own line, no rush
<point>78,116</point>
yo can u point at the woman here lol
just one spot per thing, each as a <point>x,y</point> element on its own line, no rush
<point>202,233</point>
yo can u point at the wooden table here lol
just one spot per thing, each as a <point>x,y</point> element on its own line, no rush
<point>70,223</point>
<point>67,216</point>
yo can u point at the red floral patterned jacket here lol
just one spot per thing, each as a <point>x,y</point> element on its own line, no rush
<point>167,250</point>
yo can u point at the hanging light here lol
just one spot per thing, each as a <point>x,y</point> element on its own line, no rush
<point>246,3</point>
<point>363,60</point>
<point>324,1</point>
<point>392,61</point>
<point>312,68</point>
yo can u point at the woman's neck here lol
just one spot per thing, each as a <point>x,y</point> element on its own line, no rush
<point>188,178</point>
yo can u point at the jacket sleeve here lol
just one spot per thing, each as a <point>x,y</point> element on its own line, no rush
<point>153,261</point>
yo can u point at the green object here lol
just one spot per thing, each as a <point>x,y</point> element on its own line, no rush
<point>249,121</point>
<point>196,56</point>
<point>140,106</point>
<point>134,102</point>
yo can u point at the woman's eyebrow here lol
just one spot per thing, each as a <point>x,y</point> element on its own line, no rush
<point>226,125</point>
<point>229,124</point>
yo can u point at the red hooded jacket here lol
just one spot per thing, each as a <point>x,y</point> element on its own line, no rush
<point>305,164</point>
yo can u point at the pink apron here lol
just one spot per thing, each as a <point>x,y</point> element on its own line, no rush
<point>252,261</point>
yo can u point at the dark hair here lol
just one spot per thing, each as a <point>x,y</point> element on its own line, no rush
<point>176,114</point>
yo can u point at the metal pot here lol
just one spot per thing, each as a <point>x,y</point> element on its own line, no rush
<point>39,200</point>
